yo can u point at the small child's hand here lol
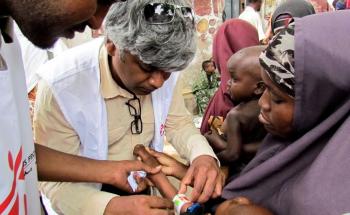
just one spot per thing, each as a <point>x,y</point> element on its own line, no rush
<point>215,141</point>
<point>170,166</point>
<point>215,123</point>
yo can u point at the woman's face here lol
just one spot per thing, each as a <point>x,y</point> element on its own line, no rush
<point>276,109</point>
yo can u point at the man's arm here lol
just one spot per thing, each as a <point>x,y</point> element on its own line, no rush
<point>109,172</point>
<point>74,168</point>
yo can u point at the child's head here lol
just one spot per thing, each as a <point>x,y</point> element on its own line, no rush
<point>208,66</point>
<point>240,206</point>
<point>277,101</point>
<point>245,83</point>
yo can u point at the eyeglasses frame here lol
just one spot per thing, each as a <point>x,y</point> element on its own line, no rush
<point>137,116</point>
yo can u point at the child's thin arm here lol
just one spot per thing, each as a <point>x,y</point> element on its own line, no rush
<point>234,140</point>
<point>216,141</point>
<point>251,148</point>
<point>161,181</point>
<point>165,187</point>
<point>170,166</point>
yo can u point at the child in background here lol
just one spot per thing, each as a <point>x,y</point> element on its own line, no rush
<point>242,130</point>
<point>206,85</point>
<point>209,68</point>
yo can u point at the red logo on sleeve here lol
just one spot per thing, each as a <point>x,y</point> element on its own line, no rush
<point>18,174</point>
<point>162,130</point>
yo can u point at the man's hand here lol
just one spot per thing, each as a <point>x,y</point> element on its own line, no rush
<point>206,177</point>
<point>117,172</point>
<point>170,166</point>
<point>139,204</point>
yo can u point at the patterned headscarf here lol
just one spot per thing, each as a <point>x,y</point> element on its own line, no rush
<point>278,60</point>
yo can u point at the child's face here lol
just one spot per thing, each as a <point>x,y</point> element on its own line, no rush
<point>240,206</point>
<point>277,109</point>
<point>242,85</point>
<point>209,68</point>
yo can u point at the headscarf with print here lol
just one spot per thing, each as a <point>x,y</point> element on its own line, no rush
<point>232,36</point>
<point>309,172</point>
<point>278,60</point>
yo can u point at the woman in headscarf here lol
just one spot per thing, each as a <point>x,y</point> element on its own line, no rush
<point>289,10</point>
<point>303,166</point>
<point>284,14</point>
<point>232,36</point>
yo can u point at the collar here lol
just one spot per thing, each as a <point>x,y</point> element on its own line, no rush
<point>109,88</point>
<point>6,28</point>
<point>250,8</point>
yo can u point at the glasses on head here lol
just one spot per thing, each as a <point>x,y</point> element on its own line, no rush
<point>163,13</point>
<point>135,111</point>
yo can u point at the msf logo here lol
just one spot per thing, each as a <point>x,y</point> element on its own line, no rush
<point>162,130</point>
<point>11,201</point>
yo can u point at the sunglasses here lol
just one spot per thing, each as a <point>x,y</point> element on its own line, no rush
<point>163,13</point>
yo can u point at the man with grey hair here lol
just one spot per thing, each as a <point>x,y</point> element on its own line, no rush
<point>100,100</point>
